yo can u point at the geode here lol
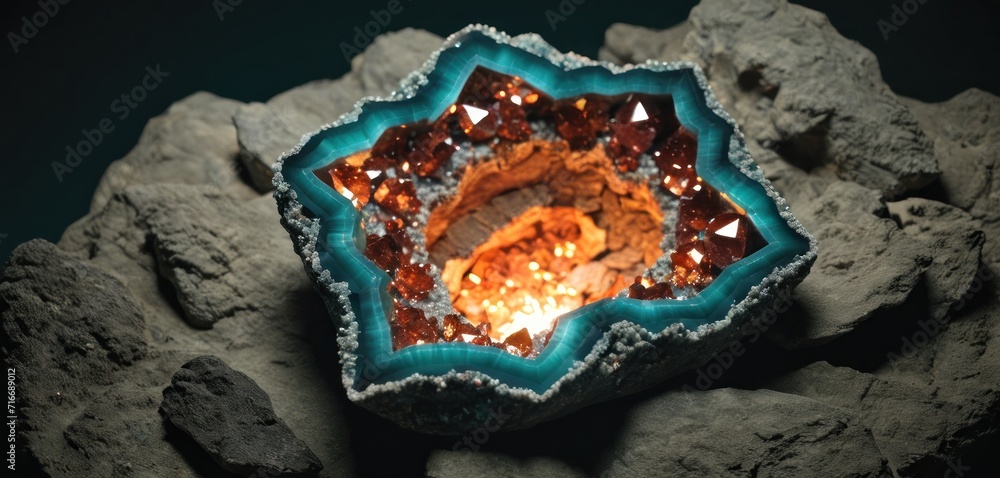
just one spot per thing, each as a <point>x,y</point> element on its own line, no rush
<point>515,233</point>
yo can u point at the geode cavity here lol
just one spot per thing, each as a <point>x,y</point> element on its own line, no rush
<point>520,232</point>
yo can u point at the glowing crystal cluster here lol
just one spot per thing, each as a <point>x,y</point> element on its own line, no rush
<point>438,340</point>
<point>498,111</point>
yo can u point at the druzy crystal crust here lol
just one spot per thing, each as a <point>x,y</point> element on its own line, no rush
<point>519,228</point>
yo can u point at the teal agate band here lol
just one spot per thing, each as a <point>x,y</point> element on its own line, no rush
<point>720,154</point>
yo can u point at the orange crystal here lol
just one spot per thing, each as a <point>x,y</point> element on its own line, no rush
<point>413,281</point>
<point>398,196</point>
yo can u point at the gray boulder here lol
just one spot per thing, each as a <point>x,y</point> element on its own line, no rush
<point>193,142</point>
<point>730,432</point>
<point>65,319</point>
<point>865,265</point>
<point>917,429</point>
<point>834,116</point>
<point>952,239</point>
<point>229,415</point>
<point>966,133</point>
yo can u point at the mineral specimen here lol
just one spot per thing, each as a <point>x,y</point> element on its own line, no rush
<point>476,233</point>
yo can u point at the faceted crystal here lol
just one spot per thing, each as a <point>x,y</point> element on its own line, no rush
<point>658,290</point>
<point>695,210</point>
<point>513,122</point>
<point>455,328</point>
<point>398,196</point>
<point>390,149</point>
<point>479,124</point>
<point>676,160</point>
<point>579,120</point>
<point>691,266</point>
<point>430,150</point>
<point>634,128</point>
<point>519,343</point>
<point>413,281</point>
<point>386,252</point>
<point>726,239</point>
<point>352,183</point>
<point>409,326</point>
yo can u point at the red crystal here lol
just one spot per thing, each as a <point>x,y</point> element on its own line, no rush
<point>726,239</point>
<point>431,149</point>
<point>634,127</point>
<point>691,265</point>
<point>389,251</point>
<point>513,122</point>
<point>390,149</point>
<point>519,343</point>
<point>413,281</point>
<point>398,196</point>
<point>409,326</point>
<point>695,210</point>
<point>676,160</point>
<point>659,290</point>
<point>457,329</point>
<point>352,183</point>
<point>479,124</point>
<point>579,120</point>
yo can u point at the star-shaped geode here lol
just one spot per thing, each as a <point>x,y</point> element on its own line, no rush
<point>490,238</point>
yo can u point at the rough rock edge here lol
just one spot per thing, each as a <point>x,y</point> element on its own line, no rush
<point>384,398</point>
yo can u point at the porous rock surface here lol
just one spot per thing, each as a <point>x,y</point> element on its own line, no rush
<point>851,280</point>
<point>180,239</point>
<point>229,415</point>
<point>766,434</point>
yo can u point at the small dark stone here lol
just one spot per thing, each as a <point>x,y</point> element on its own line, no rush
<point>228,415</point>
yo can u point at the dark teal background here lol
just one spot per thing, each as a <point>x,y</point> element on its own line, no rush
<point>65,78</point>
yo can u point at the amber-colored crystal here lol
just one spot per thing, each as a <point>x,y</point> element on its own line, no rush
<point>676,160</point>
<point>634,127</point>
<point>695,210</point>
<point>409,326</point>
<point>519,343</point>
<point>431,149</point>
<point>395,229</point>
<point>513,122</point>
<point>726,239</point>
<point>658,290</point>
<point>391,250</point>
<point>398,196</point>
<point>691,265</point>
<point>478,123</point>
<point>352,183</point>
<point>455,328</point>
<point>413,281</point>
<point>390,148</point>
<point>579,120</point>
